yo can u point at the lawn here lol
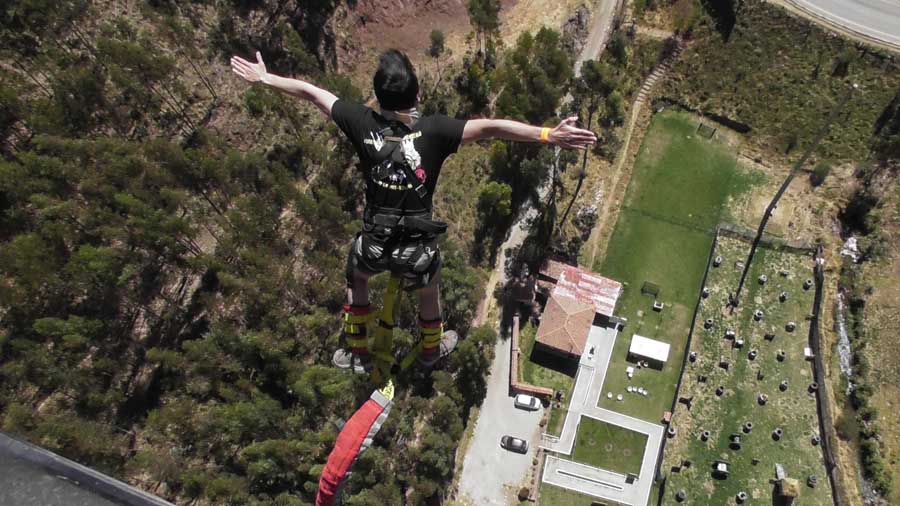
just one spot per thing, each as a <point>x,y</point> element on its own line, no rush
<point>679,189</point>
<point>563,497</point>
<point>609,447</point>
<point>558,414</point>
<point>793,409</point>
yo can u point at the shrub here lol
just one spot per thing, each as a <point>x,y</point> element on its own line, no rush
<point>846,427</point>
<point>860,395</point>
<point>868,413</point>
<point>495,199</point>
<point>256,102</point>
<point>818,175</point>
<point>524,492</point>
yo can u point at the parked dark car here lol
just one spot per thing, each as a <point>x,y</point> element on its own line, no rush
<point>514,444</point>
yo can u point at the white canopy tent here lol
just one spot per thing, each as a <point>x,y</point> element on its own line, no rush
<point>648,348</point>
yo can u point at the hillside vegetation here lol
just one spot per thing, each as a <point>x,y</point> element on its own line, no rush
<point>778,76</point>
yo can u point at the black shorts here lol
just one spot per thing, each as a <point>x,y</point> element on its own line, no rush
<point>416,259</point>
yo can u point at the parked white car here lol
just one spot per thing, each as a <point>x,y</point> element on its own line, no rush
<point>525,401</point>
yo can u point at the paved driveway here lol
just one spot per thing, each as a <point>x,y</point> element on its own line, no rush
<point>491,474</point>
<point>601,25</point>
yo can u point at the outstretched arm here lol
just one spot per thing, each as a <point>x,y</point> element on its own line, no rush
<point>565,135</point>
<point>256,72</point>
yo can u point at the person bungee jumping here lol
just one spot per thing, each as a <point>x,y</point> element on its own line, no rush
<point>401,154</point>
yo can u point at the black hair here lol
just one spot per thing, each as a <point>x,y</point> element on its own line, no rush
<point>395,81</point>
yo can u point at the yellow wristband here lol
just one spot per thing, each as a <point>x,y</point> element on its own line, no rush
<point>545,134</point>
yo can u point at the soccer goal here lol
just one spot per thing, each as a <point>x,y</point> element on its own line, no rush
<point>650,288</point>
<point>706,131</point>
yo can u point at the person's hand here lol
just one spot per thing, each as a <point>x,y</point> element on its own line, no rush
<point>252,72</point>
<point>567,135</point>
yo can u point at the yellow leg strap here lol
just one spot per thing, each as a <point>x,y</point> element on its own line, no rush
<point>357,321</point>
<point>383,330</point>
<point>432,332</point>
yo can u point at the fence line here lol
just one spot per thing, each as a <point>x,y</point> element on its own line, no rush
<point>687,352</point>
<point>826,420</point>
<point>776,243</point>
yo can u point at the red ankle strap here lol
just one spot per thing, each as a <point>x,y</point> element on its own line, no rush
<point>358,310</point>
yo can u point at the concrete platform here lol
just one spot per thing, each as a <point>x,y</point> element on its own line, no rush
<point>32,476</point>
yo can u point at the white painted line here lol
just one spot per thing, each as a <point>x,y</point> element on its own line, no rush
<point>585,478</point>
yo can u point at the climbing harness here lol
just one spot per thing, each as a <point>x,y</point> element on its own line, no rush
<point>398,233</point>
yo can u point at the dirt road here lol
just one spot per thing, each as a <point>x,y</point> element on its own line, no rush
<point>601,26</point>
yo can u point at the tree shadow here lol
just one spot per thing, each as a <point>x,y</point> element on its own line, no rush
<point>724,12</point>
<point>547,360</point>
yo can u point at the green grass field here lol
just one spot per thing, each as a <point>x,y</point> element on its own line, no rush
<point>793,410</point>
<point>551,495</point>
<point>609,447</point>
<point>677,195</point>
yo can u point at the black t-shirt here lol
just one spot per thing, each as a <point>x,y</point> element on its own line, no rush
<point>440,137</point>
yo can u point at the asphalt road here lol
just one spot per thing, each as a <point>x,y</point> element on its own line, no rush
<point>26,484</point>
<point>491,474</point>
<point>33,476</point>
<point>878,19</point>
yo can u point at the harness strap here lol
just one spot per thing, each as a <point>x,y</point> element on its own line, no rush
<point>356,320</point>
<point>419,188</point>
<point>432,331</point>
<point>409,223</point>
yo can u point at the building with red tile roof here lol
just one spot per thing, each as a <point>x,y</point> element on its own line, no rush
<point>577,297</point>
<point>565,325</point>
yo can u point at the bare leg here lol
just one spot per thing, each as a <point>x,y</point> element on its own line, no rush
<point>430,299</point>
<point>356,319</point>
<point>358,293</point>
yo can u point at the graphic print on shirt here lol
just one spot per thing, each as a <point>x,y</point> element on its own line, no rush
<point>375,140</point>
<point>389,173</point>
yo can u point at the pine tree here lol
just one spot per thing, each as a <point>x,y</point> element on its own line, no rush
<point>484,16</point>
